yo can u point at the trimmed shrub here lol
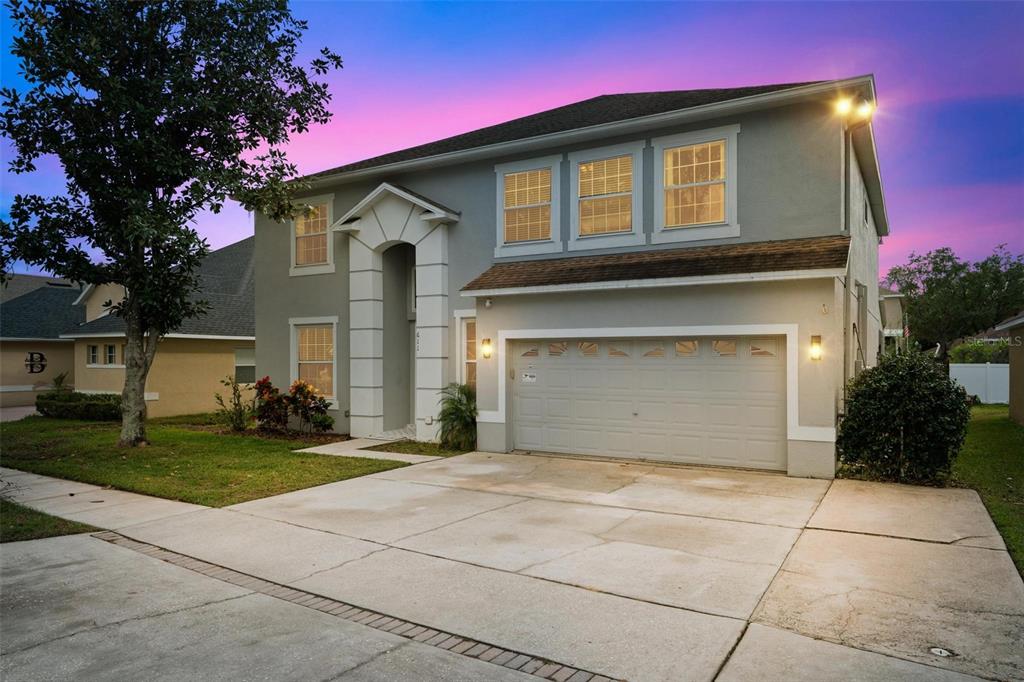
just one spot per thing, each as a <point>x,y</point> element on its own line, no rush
<point>458,417</point>
<point>905,420</point>
<point>64,404</point>
<point>306,403</point>
<point>271,406</point>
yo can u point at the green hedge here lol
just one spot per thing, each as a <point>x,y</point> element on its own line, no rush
<point>71,405</point>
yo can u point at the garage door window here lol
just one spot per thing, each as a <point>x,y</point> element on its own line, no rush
<point>616,352</point>
<point>658,351</point>
<point>724,348</point>
<point>762,348</point>
<point>686,349</point>
<point>557,350</point>
<point>531,352</point>
<point>588,349</point>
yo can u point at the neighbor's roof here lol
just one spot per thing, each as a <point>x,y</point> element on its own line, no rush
<point>43,313</point>
<point>18,284</point>
<point>810,253</point>
<point>590,112</point>
<point>1008,324</point>
<point>226,283</point>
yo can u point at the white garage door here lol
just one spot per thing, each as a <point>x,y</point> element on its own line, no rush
<point>699,400</point>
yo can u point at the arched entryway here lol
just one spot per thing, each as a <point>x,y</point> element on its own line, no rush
<point>395,231</point>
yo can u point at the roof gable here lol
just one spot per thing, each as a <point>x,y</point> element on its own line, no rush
<point>432,210</point>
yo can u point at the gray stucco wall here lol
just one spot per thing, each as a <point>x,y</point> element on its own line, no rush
<point>398,375</point>
<point>790,184</point>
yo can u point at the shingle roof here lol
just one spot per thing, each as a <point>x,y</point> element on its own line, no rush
<point>589,112</point>
<point>44,313</point>
<point>18,284</point>
<point>226,283</point>
<point>789,254</point>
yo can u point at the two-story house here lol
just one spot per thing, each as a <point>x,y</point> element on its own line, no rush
<point>685,276</point>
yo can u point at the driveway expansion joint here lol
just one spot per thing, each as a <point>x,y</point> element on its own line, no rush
<point>537,666</point>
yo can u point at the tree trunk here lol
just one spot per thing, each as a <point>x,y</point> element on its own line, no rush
<point>138,358</point>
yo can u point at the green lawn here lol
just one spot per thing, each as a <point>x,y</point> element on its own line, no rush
<point>180,464</point>
<point>21,523</point>
<point>992,462</point>
<point>416,447</point>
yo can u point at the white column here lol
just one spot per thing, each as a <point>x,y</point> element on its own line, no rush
<point>431,329</point>
<point>366,340</point>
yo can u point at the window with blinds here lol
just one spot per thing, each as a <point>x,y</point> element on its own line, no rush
<point>311,236</point>
<point>528,206</point>
<point>606,195</point>
<point>316,356</point>
<point>469,352</point>
<point>695,184</point>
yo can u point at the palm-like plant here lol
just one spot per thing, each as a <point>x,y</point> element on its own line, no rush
<point>458,417</point>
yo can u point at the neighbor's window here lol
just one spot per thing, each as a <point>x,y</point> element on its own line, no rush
<point>311,236</point>
<point>92,355</point>
<point>606,195</point>
<point>528,206</point>
<point>469,353</point>
<point>245,365</point>
<point>316,356</point>
<point>695,184</point>
<point>109,355</point>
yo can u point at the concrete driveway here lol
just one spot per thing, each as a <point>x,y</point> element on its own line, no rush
<point>642,572</point>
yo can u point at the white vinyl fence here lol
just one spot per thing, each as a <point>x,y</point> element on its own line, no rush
<point>991,383</point>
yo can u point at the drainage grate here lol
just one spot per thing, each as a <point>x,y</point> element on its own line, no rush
<point>464,646</point>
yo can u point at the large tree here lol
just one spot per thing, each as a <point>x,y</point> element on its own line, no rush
<point>156,111</point>
<point>949,298</point>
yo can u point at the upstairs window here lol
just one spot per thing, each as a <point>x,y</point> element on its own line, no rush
<point>311,236</point>
<point>695,184</point>
<point>606,195</point>
<point>528,206</point>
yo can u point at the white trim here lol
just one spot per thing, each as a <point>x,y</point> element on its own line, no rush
<point>34,339</point>
<point>554,243</point>
<point>121,335</point>
<point>85,291</point>
<point>731,226</point>
<point>794,430</point>
<point>614,239</point>
<point>656,282</point>
<point>460,340</point>
<point>293,349</point>
<point>431,211</point>
<point>103,366</point>
<point>150,396</point>
<point>322,268</point>
<point>1015,321</point>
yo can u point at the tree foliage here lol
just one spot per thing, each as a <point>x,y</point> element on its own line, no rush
<point>156,111</point>
<point>949,298</point>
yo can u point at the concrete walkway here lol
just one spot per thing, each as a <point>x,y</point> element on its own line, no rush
<point>354,448</point>
<point>642,572</point>
<point>12,414</point>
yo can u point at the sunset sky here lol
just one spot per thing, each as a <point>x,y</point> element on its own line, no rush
<point>950,78</point>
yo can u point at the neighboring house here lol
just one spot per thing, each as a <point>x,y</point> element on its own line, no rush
<point>895,327</point>
<point>683,276</point>
<point>1015,328</point>
<point>18,284</point>
<point>190,362</point>
<point>31,350</point>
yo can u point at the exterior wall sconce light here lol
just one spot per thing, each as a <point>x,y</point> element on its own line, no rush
<point>815,348</point>
<point>486,348</point>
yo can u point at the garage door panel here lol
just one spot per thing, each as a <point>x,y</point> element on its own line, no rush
<point>661,399</point>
